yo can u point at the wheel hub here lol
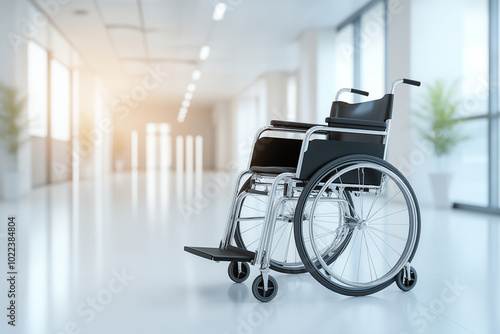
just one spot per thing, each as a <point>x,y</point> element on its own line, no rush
<point>358,223</point>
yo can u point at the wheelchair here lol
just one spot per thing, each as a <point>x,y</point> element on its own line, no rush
<point>321,198</point>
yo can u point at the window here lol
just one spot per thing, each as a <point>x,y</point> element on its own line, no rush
<point>37,90</point>
<point>468,60</point>
<point>60,101</point>
<point>361,52</point>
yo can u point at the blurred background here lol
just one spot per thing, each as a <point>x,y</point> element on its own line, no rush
<point>115,86</point>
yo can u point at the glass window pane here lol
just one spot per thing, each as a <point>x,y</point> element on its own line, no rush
<point>372,51</point>
<point>37,89</point>
<point>461,58</point>
<point>474,51</point>
<point>60,101</point>
<point>470,178</point>
<point>344,60</point>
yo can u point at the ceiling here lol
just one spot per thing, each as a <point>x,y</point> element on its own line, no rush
<point>118,39</point>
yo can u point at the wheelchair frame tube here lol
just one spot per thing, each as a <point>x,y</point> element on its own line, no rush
<point>386,138</point>
<point>262,255</point>
<point>226,239</point>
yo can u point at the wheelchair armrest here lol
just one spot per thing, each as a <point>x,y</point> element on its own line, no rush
<point>352,123</point>
<point>294,125</point>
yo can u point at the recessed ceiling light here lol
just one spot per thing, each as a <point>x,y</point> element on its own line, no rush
<point>183,111</point>
<point>204,52</point>
<point>188,96</point>
<point>219,11</point>
<point>191,87</point>
<point>186,103</point>
<point>196,75</point>
<point>180,119</point>
<point>80,12</point>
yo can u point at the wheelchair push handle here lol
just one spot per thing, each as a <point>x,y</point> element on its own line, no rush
<point>360,92</point>
<point>411,82</point>
<point>350,90</point>
<point>405,81</point>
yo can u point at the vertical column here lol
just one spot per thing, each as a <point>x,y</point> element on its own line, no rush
<point>49,118</point>
<point>316,87</point>
<point>307,77</point>
<point>179,162</point>
<point>398,40</point>
<point>493,146</point>
<point>189,155</point>
<point>198,162</point>
<point>134,144</point>
<point>276,86</point>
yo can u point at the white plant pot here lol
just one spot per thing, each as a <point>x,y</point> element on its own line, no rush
<point>11,186</point>
<point>440,183</point>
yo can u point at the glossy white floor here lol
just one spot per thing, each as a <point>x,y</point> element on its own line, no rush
<point>107,257</point>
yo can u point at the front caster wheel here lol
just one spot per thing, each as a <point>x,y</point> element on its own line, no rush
<point>258,288</point>
<point>238,274</point>
<point>404,282</point>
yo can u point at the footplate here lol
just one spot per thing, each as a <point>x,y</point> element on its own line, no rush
<point>218,254</point>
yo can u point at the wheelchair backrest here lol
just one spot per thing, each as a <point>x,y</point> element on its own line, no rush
<point>376,110</point>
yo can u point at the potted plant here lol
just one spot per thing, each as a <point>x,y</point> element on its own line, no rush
<point>12,130</point>
<point>439,114</point>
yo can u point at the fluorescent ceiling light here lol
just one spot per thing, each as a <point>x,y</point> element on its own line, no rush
<point>204,52</point>
<point>188,96</point>
<point>196,75</point>
<point>186,103</point>
<point>191,87</point>
<point>219,11</point>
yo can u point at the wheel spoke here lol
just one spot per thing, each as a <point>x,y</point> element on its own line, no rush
<point>390,214</point>
<point>385,242</point>
<point>399,192</point>
<point>387,233</point>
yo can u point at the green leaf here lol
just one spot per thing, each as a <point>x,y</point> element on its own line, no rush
<point>439,113</point>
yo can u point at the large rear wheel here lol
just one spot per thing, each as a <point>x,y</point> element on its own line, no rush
<point>383,220</point>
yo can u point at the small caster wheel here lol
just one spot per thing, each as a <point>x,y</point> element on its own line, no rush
<point>258,288</point>
<point>404,282</point>
<point>238,275</point>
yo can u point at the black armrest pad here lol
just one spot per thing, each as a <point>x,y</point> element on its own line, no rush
<point>296,125</point>
<point>356,123</point>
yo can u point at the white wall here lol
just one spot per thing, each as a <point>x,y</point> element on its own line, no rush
<point>316,75</point>
<point>236,121</point>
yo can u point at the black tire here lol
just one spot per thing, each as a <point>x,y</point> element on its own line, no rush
<point>321,175</point>
<point>238,276</point>
<point>403,282</point>
<point>258,289</point>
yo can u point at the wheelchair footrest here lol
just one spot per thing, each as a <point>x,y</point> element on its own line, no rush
<point>218,254</point>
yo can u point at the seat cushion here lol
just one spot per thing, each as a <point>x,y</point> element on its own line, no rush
<point>272,169</point>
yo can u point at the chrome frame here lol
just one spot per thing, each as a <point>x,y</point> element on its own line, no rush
<point>341,91</point>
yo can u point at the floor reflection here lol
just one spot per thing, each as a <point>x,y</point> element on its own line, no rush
<point>76,236</point>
